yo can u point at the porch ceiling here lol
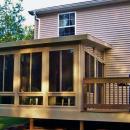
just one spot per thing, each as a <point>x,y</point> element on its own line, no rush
<point>55,41</point>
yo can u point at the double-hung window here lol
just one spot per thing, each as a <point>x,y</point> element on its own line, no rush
<point>67,24</point>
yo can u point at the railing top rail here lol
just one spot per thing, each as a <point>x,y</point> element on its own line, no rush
<point>107,80</point>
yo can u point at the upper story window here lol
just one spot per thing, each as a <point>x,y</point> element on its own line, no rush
<point>67,24</point>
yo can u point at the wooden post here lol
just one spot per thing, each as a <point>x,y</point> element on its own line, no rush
<point>31,124</point>
<point>81,125</point>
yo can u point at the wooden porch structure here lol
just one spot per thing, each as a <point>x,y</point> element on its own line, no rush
<point>106,94</point>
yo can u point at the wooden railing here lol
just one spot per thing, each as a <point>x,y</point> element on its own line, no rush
<point>106,94</point>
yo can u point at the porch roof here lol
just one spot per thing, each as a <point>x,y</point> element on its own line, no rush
<point>86,39</point>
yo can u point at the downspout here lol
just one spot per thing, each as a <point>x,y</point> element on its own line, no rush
<point>38,33</point>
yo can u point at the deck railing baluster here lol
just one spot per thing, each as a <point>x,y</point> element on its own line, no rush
<point>109,93</point>
<point>122,94</point>
<point>113,93</point>
<point>117,95</point>
<point>126,94</point>
<point>105,94</point>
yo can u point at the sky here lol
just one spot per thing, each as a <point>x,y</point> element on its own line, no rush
<point>35,4</point>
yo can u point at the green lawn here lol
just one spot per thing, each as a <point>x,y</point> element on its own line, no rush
<point>10,121</point>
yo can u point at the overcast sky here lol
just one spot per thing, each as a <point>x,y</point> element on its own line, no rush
<point>35,4</point>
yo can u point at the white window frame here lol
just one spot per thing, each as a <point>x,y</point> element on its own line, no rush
<point>69,25</point>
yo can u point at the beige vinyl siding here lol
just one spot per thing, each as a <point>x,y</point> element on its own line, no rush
<point>49,26</point>
<point>111,24</point>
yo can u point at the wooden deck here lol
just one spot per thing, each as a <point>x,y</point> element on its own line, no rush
<point>108,94</point>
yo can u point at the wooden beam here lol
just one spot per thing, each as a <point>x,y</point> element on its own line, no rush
<point>81,125</point>
<point>31,125</point>
<point>107,80</point>
<point>108,106</point>
<point>73,39</point>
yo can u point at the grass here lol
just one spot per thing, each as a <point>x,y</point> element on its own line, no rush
<point>10,121</point>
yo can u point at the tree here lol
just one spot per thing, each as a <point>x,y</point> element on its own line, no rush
<point>11,19</point>
<point>28,32</point>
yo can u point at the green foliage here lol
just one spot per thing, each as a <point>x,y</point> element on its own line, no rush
<point>28,32</point>
<point>10,121</point>
<point>11,19</point>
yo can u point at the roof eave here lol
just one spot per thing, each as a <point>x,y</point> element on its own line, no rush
<point>75,6</point>
<point>66,40</point>
<point>98,43</point>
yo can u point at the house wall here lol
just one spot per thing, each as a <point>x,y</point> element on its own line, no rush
<point>48,26</point>
<point>111,24</point>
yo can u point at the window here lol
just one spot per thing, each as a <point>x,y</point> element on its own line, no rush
<point>100,69</point>
<point>6,99</point>
<point>61,71</point>
<point>89,69</point>
<point>30,72</point>
<point>100,74</point>
<point>6,72</point>
<point>67,24</point>
<point>61,100</point>
<point>89,66</point>
<point>31,100</point>
<point>91,72</point>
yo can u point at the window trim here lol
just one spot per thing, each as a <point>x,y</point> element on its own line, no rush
<point>67,26</point>
<point>26,51</point>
